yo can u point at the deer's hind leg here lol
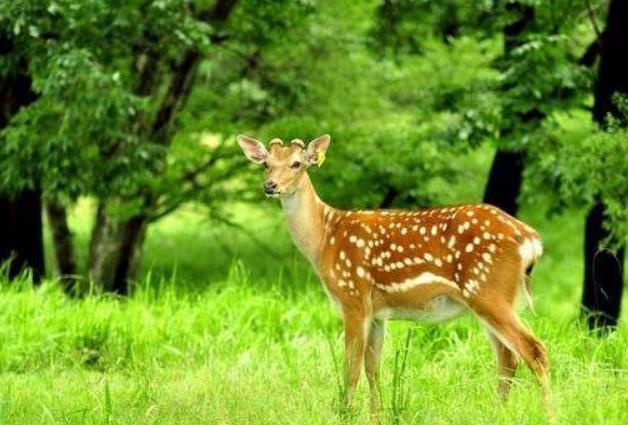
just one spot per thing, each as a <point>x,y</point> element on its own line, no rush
<point>507,363</point>
<point>505,325</point>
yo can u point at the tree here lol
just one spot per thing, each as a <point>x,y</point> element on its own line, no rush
<point>112,82</point>
<point>603,278</point>
<point>506,174</point>
<point>21,230</point>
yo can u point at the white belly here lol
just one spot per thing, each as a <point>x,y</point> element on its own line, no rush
<point>437,310</point>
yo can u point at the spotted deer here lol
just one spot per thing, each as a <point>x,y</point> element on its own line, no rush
<point>431,264</point>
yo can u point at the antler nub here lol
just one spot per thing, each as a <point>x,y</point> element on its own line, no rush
<point>298,142</point>
<point>275,142</point>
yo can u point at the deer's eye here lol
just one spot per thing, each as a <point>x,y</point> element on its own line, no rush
<point>266,166</point>
<point>295,165</point>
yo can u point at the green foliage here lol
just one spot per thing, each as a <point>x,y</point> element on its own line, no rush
<point>586,165</point>
<point>406,88</point>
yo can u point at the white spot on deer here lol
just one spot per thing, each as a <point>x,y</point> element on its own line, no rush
<point>424,278</point>
<point>387,268</point>
<point>461,229</point>
<point>342,283</point>
<point>408,261</point>
<point>428,256</point>
<point>452,242</point>
<point>449,258</point>
<point>469,213</point>
<point>348,262</point>
<point>351,284</point>
<point>469,247</point>
<point>399,248</point>
<point>417,260</point>
<point>477,240</point>
<point>399,265</point>
<point>352,238</point>
<point>492,248</point>
<point>459,266</point>
<point>342,255</point>
<point>332,240</point>
<point>404,231</point>
<point>422,230</point>
<point>465,293</point>
<point>467,225</point>
<point>360,271</point>
<point>486,235</point>
<point>457,255</point>
<point>360,243</point>
<point>487,257</point>
<point>438,262</point>
<point>434,230</point>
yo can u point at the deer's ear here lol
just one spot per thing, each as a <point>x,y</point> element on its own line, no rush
<point>317,149</point>
<point>253,149</point>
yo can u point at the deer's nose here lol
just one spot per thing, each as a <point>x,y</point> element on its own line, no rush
<point>270,186</point>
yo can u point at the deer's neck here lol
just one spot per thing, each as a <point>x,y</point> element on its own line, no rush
<point>304,212</point>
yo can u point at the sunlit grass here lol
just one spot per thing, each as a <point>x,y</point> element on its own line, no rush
<point>238,352</point>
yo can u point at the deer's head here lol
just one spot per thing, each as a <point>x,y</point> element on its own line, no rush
<point>285,165</point>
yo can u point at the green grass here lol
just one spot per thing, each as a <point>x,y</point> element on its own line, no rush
<point>223,331</point>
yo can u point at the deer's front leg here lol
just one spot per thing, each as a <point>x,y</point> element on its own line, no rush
<point>356,327</point>
<point>372,356</point>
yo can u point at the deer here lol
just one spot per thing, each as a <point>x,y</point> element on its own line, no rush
<point>429,265</point>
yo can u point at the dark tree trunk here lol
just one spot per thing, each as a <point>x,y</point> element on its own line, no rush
<point>20,213</point>
<point>504,180</point>
<point>115,251</point>
<point>21,240</point>
<point>603,279</point>
<point>63,246</point>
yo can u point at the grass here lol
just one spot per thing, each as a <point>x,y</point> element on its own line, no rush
<point>223,331</point>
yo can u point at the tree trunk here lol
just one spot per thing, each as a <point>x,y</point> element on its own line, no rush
<point>603,279</point>
<point>63,247</point>
<point>115,251</point>
<point>21,241</point>
<point>504,181</point>
<point>21,230</point>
